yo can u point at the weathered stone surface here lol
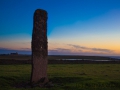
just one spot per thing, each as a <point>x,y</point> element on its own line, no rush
<point>39,49</point>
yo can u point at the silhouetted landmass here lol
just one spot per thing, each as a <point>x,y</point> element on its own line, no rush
<point>59,59</point>
<point>76,57</point>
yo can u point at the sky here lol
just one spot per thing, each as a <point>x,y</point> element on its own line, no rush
<point>74,27</point>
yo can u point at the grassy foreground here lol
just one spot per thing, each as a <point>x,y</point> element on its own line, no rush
<point>65,76</point>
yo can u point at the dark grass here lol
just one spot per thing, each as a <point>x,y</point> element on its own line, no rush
<point>64,77</point>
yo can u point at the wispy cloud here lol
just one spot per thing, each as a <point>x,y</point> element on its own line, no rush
<point>59,51</point>
<point>1,48</point>
<point>25,42</point>
<point>63,49</point>
<point>102,50</point>
<point>20,51</point>
<point>92,49</point>
<point>70,50</point>
<point>77,46</point>
<point>27,49</point>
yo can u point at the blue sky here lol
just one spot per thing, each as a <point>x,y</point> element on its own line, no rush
<point>75,27</point>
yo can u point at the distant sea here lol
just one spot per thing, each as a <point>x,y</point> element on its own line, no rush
<point>117,57</point>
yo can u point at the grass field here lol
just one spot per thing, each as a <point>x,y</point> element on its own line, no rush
<point>65,76</point>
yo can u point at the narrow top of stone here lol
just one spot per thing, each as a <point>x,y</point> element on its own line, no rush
<point>40,11</point>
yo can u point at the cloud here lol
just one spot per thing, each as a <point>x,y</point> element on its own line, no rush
<point>9,50</point>
<point>63,49</point>
<point>25,42</point>
<point>59,51</point>
<point>91,49</point>
<point>2,48</point>
<point>102,50</point>
<point>27,49</point>
<point>77,46</point>
<point>70,50</point>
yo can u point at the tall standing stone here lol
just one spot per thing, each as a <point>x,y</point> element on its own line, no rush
<point>39,48</point>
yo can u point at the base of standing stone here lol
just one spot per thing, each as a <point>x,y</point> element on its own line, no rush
<point>28,85</point>
<point>46,85</point>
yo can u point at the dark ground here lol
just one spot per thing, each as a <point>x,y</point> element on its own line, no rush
<point>59,59</point>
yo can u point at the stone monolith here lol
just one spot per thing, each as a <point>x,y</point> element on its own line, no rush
<point>39,48</point>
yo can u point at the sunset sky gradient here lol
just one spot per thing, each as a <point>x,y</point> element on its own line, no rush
<point>75,27</point>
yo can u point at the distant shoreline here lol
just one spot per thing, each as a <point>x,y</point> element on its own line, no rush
<point>17,62</point>
<point>60,59</point>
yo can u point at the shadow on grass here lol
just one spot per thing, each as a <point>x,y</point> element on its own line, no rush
<point>12,81</point>
<point>69,79</point>
<point>62,83</point>
<point>82,83</point>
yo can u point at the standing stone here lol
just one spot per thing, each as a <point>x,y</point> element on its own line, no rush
<point>39,49</point>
